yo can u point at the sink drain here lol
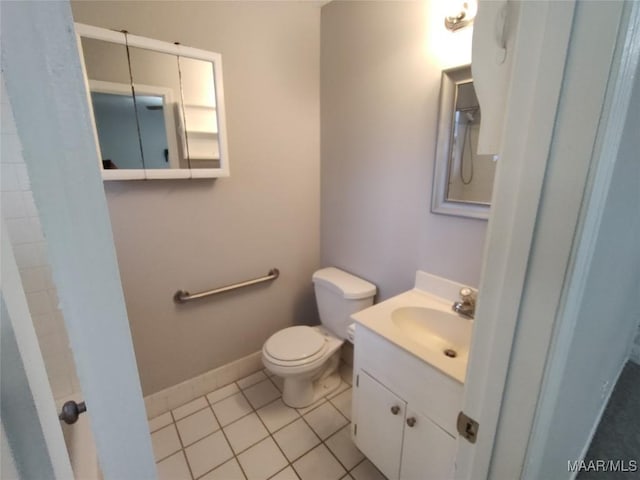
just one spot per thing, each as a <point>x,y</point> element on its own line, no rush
<point>449,352</point>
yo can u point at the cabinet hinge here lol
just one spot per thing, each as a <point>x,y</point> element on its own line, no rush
<point>467,427</point>
<point>355,429</point>
<point>357,380</point>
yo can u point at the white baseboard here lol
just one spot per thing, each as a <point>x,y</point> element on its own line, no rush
<point>176,395</point>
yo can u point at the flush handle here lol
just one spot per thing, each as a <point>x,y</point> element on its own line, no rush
<point>395,409</point>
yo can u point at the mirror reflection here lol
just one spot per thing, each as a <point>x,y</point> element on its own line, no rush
<point>200,118</point>
<point>155,75</point>
<point>470,175</point>
<point>113,107</point>
<point>463,179</point>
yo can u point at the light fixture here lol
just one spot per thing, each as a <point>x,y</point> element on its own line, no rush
<point>462,16</point>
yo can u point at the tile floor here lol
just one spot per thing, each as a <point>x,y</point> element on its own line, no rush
<point>244,431</point>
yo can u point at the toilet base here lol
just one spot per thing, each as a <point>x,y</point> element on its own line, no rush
<point>302,391</point>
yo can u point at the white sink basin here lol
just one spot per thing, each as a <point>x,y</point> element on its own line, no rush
<point>440,331</point>
<point>425,326</point>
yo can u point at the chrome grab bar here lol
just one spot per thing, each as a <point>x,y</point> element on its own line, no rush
<point>182,296</point>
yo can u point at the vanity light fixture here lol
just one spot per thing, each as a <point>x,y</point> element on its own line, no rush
<point>462,16</point>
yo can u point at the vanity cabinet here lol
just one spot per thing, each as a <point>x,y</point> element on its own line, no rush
<point>380,425</point>
<point>404,411</point>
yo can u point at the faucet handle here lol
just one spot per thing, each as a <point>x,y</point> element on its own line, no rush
<point>467,295</point>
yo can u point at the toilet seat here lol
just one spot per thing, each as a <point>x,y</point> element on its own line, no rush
<point>295,346</point>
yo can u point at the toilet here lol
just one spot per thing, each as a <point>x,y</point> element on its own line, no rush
<point>307,358</point>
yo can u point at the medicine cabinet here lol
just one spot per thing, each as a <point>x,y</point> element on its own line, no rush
<point>157,108</point>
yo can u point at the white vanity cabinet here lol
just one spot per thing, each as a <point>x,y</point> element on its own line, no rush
<point>404,411</point>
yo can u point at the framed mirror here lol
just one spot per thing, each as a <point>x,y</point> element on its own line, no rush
<point>463,180</point>
<point>157,108</point>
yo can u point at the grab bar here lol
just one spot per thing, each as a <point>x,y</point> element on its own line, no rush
<point>182,296</point>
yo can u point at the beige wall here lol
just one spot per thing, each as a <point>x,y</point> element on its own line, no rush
<point>201,234</point>
<point>381,64</point>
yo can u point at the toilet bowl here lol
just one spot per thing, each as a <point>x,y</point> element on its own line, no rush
<point>307,358</point>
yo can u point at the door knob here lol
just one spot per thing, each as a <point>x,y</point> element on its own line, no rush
<point>71,411</point>
<point>411,421</point>
<point>395,409</point>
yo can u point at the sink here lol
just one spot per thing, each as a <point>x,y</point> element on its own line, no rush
<point>424,325</point>
<point>437,330</point>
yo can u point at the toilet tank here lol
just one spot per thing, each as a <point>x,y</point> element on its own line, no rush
<point>339,295</point>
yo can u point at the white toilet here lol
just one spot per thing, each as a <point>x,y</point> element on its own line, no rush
<point>307,358</point>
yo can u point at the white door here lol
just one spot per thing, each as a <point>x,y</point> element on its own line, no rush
<point>428,452</point>
<point>379,414</point>
<point>536,46</point>
<point>42,72</point>
<point>545,158</point>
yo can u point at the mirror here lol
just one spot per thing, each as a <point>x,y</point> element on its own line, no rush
<point>463,180</point>
<point>200,119</point>
<point>156,82</point>
<point>157,108</point>
<point>112,101</point>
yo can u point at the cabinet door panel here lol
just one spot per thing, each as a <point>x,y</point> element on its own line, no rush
<point>428,452</point>
<point>379,430</point>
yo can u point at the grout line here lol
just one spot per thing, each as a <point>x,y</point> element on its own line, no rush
<point>224,434</point>
<point>323,442</point>
<point>175,451</point>
<point>269,433</point>
<point>339,411</point>
<point>280,471</point>
<point>186,460</point>
<point>192,413</point>
<point>185,445</point>
<point>220,388</point>
<point>348,425</point>
<point>300,416</point>
<point>360,463</point>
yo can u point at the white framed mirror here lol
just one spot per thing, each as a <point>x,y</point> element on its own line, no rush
<point>463,179</point>
<point>157,108</point>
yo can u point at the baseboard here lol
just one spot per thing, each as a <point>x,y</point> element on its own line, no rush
<point>596,424</point>
<point>176,395</point>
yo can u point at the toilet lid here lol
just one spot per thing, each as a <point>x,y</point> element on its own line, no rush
<point>294,343</point>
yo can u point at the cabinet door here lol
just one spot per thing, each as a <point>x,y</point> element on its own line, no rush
<point>428,452</point>
<point>378,424</point>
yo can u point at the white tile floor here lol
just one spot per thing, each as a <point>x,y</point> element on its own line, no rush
<point>244,431</point>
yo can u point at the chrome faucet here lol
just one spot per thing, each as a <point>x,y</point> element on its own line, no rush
<point>466,307</point>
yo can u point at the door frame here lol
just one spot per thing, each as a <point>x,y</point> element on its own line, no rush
<point>521,281</point>
<point>45,86</point>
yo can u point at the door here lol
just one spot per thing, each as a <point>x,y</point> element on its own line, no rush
<point>428,452</point>
<point>379,414</point>
<point>41,69</point>
<point>562,54</point>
